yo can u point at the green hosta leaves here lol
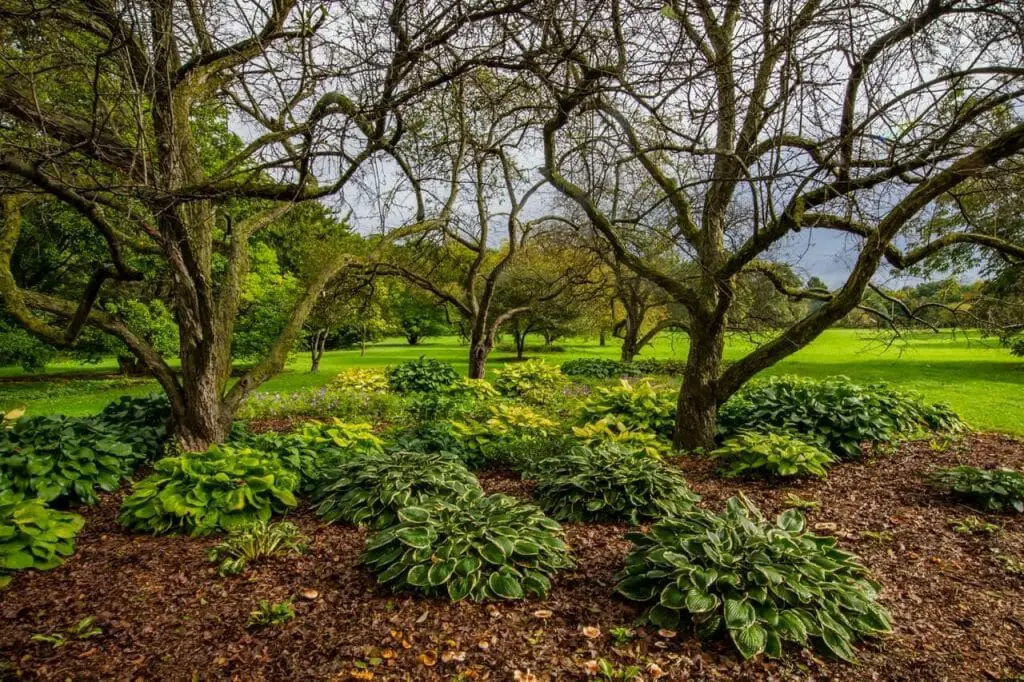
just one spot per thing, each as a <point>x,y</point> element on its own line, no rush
<point>140,421</point>
<point>370,488</point>
<point>837,411</point>
<point>502,428</point>
<point>250,544</point>
<point>425,375</point>
<point>532,380</point>
<point>610,482</point>
<point>64,459</point>
<point>776,454</point>
<point>201,493</point>
<point>32,535</point>
<point>763,583</point>
<point>990,489</point>
<point>478,547</point>
<point>608,430</point>
<point>639,407</point>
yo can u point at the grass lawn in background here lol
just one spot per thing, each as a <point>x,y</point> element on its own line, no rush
<point>980,379</point>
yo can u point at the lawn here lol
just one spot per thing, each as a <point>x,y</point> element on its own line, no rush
<point>980,379</point>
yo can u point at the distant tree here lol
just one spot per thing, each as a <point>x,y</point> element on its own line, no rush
<point>414,314</point>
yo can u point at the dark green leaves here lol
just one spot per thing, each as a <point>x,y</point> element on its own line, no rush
<point>425,375</point>
<point>989,489</point>
<point>764,583</point>
<point>33,536</point>
<point>475,546</point>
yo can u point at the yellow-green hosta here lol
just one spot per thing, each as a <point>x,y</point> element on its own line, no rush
<point>610,430</point>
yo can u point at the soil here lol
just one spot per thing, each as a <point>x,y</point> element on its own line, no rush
<point>165,615</point>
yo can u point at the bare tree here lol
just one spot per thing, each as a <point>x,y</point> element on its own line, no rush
<point>758,120</point>
<point>105,105</point>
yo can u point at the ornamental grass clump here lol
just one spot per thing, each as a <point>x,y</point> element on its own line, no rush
<point>610,482</point>
<point>763,584</point>
<point>369,489</point>
<point>479,548</point>
<point>224,488</point>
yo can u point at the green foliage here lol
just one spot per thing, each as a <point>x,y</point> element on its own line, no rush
<point>480,547</point>
<point>84,629</point>
<point>483,440</point>
<point>836,410</point>
<point>971,525</point>
<point>989,489</point>
<point>141,421</point>
<point>533,380</point>
<point>608,430</point>
<point>645,366</point>
<point>775,454</point>
<point>606,671</point>
<point>610,482</point>
<point>32,535</point>
<point>63,459</point>
<point>639,406</point>
<point>373,380</point>
<point>246,545</point>
<point>267,614</point>
<point>606,368</point>
<point>764,584</point>
<point>225,488</point>
<point>325,403</point>
<point>18,347</point>
<point>796,502</point>
<point>425,375</point>
<point>368,489</point>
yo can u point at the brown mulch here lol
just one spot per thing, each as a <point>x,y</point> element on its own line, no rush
<point>165,615</point>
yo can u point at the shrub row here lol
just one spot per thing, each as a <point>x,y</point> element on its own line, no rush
<point>606,368</point>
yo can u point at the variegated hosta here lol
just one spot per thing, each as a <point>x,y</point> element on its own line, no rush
<point>371,380</point>
<point>640,406</point>
<point>369,488</point>
<point>610,482</point>
<point>484,439</point>
<point>764,584</point>
<point>533,380</point>
<point>481,548</point>
<point>610,430</point>
<point>750,453</point>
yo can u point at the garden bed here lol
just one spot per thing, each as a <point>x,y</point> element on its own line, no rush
<point>165,614</point>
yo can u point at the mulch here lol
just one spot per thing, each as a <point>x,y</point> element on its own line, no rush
<point>165,614</point>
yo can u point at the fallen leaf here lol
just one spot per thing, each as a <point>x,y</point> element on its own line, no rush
<point>655,671</point>
<point>591,632</point>
<point>456,656</point>
<point>309,594</point>
<point>542,613</point>
<point>590,668</point>
<point>484,644</point>
<point>428,658</point>
<point>667,634</point>
<point>520,676</point>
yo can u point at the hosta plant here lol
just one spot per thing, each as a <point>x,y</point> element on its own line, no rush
<point>532,380</point>
<point>764,584</point>
<point>225,488</point>
<point>425,375</point>
<point>610,482</point>
<point>483,439</point>
<point>609,430</point>
<point>479,548</point>
<point>836,410</point>
<point>751,453</point>
<point>32,535</point>
<point>249,544</point>
<point>267,614</point>
<point>594,368</point>
<point>369,489</point>
<point>63,459</point>
<point>989,489</point>
<point>639,406</point>
<point>369,380</point>
<point>140,421</point>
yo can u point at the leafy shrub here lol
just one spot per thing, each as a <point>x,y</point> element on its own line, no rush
<point>481,548</point>
<point>477,389</point>
<point>841,413</point>
<point>33,536</point>
<point>608,430</point>
<point>425,375</point>
<point>533,380</point>
<point>594,368</point>
<point>371,380</point>
<point>63,459</point>
<point>368,489</point>
<point>765,584</point>
<point>141,422</point>
<point>777,454</point>
<point>990,489</point>
<point>652,366</point>
<point>266,614</point>
<point>610,482</point>
<point>639,406</point>
<point>225,488</point>
<point>248,544</point>
<point>481,440</point>
<point>325,403</point>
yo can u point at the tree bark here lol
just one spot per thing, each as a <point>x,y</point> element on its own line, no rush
<point>601,340</point>
<point>697,408</point>
<point>478,352</point>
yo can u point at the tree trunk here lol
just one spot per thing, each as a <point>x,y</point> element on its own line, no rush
<point>129,365</point>
<point>697,408</point>
<point>601,340</point>
<point>629,349</point>
<point>202,421</point>
<point>520,345</point>
<point>412,339</point>
<point>316,349</point>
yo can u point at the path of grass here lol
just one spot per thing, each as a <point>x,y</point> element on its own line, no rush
<point>978,378</point>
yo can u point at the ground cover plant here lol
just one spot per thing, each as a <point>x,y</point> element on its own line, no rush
<point>222,489</point>
<point>751,453</point>
<point>764,584</point>
<point>64,460</point>
<point>499,429</point>
<point>609,482</point>
<point>425,375</point>
<point>481,547</point>
<point>33,536</point>
<point>989,489</point>
<point>610,430</point>
<point>533,380</point>
<point>141,422</point>
<point>249,544</point>
<point>640,406</point>
<point>370,488</point>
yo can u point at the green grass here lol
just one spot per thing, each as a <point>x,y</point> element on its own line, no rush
<point>981,380</point>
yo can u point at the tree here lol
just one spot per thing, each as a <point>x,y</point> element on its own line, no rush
<point>120,112</point>
<point>413,313</point>
<point>755,121</point>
